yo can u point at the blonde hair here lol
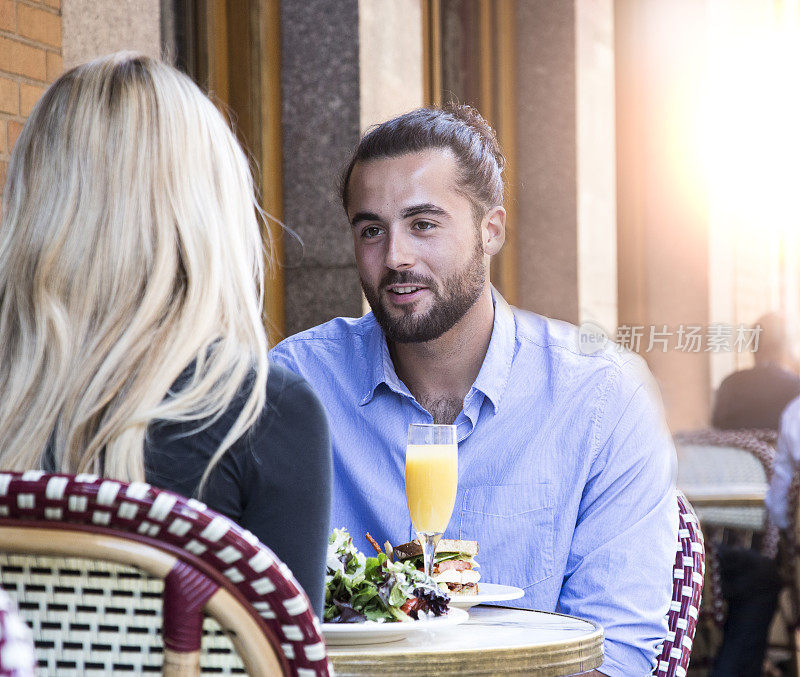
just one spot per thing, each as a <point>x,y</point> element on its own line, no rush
<point>130,249</point>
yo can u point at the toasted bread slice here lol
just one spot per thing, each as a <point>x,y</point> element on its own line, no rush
<point>414,549</point>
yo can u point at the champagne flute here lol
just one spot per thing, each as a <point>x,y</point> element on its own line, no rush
<point>431,482</point>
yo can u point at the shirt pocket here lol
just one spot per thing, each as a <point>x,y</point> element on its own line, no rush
<point>514,525</point>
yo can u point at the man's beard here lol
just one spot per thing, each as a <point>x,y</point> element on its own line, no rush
<point>457,295</point>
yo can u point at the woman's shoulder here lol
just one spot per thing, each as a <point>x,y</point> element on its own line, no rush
<point>280,378</point>
<point>292,406</point>
<point>287,389</point>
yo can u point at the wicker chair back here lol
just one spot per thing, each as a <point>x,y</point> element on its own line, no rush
<point>115,578</point>
<point>688,573</point>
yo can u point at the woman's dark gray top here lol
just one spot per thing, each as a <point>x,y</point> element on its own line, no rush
<point>275,481</point>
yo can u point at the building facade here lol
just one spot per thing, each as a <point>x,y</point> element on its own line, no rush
<point>612,217</point>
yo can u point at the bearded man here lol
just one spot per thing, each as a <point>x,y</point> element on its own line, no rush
<point>565,466</point>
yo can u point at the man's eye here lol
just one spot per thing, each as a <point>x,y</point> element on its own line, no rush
<point>424,225</point>
<point>370,231</point>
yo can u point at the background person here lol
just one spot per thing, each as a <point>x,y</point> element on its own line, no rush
<point>131,337</point>
<point>755,398</point>
<point>751,582</point>
<point>787,460</point>
<point>566,468</point>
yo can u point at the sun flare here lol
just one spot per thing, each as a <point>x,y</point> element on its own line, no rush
<point>751,117</point>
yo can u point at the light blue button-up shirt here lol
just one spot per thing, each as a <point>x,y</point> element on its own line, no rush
<point>565,466</point>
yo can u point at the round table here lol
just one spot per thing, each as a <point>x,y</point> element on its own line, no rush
<point>494,641</point>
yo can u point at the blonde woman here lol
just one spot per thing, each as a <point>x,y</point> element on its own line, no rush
<point>131,336</point>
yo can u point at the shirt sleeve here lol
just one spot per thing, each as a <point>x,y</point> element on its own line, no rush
<point>786,460</point>
<point>619,570</point>
<point>284,355</point>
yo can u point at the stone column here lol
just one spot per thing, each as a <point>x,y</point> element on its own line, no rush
<point>547,232</point>
<point>346,65</point>
<point>321,125</point>
<point>662,197</point>
<point>390,62</point>
<point>566,230</point>
<point>596,163</point>
<point>92,28</point>
<point>390,58</point>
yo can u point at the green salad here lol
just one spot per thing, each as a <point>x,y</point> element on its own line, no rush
<point>360,588</point>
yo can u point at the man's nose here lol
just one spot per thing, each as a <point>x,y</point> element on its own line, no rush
<point>399,252</point>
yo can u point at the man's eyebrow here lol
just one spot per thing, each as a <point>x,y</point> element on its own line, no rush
<point>427,208</point>
<point>364,216</point>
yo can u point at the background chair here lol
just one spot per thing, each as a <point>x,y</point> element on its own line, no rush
<point>114,578</point>
<point>733,458</point>
<point>687,590</point>
<point>736,459</point>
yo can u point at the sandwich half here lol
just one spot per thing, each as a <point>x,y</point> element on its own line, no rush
<point>453,564</point>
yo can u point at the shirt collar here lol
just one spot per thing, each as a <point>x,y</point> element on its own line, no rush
<point>492,378</point>
<point>379,367</point>
<point>494,374</point>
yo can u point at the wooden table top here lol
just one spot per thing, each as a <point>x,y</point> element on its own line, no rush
<point>495,640</point>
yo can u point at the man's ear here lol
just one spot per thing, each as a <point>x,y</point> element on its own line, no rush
<point>493,230</point>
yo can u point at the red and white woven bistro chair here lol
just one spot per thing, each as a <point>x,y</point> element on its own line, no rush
<point>16,645</point>
<point>116,578</point>
<point>687,589</point>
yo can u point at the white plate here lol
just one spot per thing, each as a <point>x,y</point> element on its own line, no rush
<point>488,592</point>
<point>370,632</point>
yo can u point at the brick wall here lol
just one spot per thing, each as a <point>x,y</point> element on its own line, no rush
<point>30,59</point>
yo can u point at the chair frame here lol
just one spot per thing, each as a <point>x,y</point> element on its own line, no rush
<point>687,590</point>
<point>258,652</point>
<point>168,531</point>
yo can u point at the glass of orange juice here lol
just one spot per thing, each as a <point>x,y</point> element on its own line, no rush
<point>431,482</point>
